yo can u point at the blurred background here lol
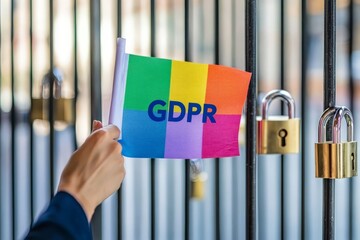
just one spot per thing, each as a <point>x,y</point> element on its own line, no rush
<point>77,40</point>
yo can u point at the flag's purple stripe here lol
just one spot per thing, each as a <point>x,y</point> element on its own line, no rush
<point>184,139</point>
<point>221,139</point>
<point>142,137</point>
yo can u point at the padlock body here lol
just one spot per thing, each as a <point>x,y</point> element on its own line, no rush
<point>63,109</point>
<point>197,189</point>
<point>198,186</point>
<point>336,160</point>
<point>271,141</point>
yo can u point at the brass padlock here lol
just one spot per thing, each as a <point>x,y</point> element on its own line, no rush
<point>63,107</point>
<point>335,159</point>
<point>198,185</point>
<point>198,178</point>
<point>278,134</point>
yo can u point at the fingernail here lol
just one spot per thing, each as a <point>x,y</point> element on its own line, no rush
<point>95,124</point>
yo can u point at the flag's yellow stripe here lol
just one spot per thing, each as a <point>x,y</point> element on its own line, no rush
<point>188,82</point>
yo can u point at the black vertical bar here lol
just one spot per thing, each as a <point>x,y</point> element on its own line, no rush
<point>329,101</point>
<point>119,213</point>
<point>330,54</point>
<point>119,15</point>
<point>282,86</point>
<point>187,46</point>
<point>187,200</point>
<point>31,77</point>
<point>304,54</point>
<point>152,28</point>
<point>187,31</point>
<point>119,192</point>
<point>352,100</point>
<point>51,110</point>
<point>152,160</point>
<point>13,123</point>
<point>76,78</point>
<point>217,32</point>
<point>217,160</point>
<point>250,48</point>
<point>95,60</point>
<point>95,91</point>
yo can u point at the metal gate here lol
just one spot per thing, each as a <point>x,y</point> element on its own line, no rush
<point>70,45</point>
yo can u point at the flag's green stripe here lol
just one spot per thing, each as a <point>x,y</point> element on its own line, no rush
<point>148,79</point>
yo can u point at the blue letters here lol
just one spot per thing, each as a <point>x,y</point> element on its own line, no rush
<point>172,118</point>
<point>209,114</point>
<point>161,112</point>
<point>193,109</point>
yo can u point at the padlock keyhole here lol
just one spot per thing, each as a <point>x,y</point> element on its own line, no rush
<point>282,134</point>
<point>353,161</point>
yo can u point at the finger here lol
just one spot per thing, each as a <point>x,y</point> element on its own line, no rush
<point>113,130</point>
<point>96,125</point>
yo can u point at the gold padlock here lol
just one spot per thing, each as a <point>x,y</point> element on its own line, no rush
<point>278,134</point>
<point>335,159</point>
<point>198,185</point>
<point>63,107</point>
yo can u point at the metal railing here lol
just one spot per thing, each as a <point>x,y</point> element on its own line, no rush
<point>15,208</point>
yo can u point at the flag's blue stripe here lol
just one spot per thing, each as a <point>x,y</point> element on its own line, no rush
<point>141,136</point>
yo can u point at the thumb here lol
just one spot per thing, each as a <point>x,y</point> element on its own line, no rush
<point>96,125</point>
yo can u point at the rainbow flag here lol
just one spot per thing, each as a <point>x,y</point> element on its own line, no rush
<point>174,109</point>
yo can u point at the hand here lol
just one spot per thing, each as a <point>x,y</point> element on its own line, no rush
<point>96,169</point>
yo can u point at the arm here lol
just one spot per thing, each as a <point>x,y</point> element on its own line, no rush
<point>63,219</point>
<point>92,174</point>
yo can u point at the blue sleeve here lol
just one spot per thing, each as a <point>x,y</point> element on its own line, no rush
<point>63,219</point>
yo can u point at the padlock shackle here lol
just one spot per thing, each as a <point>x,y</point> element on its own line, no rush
<point>284,96</point>
<point>338,113</point>
<point>196,165</point>
<point>54,76</point>
<point>327,114</point>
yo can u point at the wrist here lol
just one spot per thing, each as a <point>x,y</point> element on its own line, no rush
<point>83,202</point>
